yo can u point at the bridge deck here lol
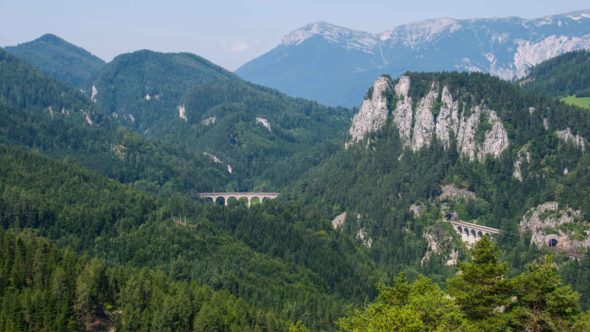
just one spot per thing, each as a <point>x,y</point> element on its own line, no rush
<point>476,226</point>
<point>267,194</point>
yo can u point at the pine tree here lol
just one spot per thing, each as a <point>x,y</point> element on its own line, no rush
<point>480,287</point>
<point>543,302</point>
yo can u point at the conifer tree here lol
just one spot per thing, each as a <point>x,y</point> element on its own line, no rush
<point>480,287</point>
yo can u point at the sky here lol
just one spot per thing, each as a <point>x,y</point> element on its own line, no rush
<point>230,33</point>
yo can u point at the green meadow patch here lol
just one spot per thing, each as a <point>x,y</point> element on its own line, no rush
<point>580,102</point>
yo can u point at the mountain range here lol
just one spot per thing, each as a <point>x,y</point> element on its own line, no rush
<point>101,172</point>
<point>186,101</point>
<point>333,64</point>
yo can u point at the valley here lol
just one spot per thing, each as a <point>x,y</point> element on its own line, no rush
<point>158,191</point>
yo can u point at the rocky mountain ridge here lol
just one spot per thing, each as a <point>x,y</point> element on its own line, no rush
<point>478,130</point>
<point>330,64</point>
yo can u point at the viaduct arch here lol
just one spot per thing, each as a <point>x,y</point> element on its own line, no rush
<point>249,196</point>
<point>471,233</point>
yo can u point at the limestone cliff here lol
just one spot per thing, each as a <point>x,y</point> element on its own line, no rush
<point>567,136</point>
<point>478,130</point>
<point>372,114</point>
<point>448,118</point>
<point>424,122</point>
<point>402,117</point>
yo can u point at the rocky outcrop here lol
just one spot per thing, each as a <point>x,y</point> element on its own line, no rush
<point>449,191</point>
<point>213,158</point>
<point>372,114</point>
<point>403,115</point>
<point>439,242</point>
<point>524,155</point>
<point>218,161</point>
<point>264,122</point>
<point>447,122</point>
<point>453,258</point>
<point>424,122</point>
<point>479,131</point>
<point>561,228</point>
<point>94,94</point>
<point>209,121</point>
<point>417,208</point>
<point>495,139</point>
<point>338,221</point>
<point>182,113</point>
<point>567,136</point>
<point>364,237</point>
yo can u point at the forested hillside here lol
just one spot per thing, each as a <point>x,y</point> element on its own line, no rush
<point>281,257</point>
<point>481,297</point>
<point>565,75</point>
<point>59,59</point>
<point>185,100</point>
<point>510,151</point>
<point>44,288</point>
<point>40,113</point>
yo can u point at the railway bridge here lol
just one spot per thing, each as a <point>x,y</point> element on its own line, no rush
<point>471,233</point>
<point>224,197</point>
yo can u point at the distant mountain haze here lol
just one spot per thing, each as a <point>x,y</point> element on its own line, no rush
<point>333,64</point>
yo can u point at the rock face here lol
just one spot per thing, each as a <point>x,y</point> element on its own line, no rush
<point>561,228</point>
<point>524,155</point>
<point>418,125</point>
<point>94,94</point>
<point>373,112</point>
<point>209,121</point>
<point>448,118</point>
<point>218,161</point>
<point>450,192</point>
<point>567,136</point>
<point>338,221</point>
<point>440,243</point>
<point>364,237</point>
<point>182,113</point>
<point>264,122</point>
<point>424,121</point>
<point>402,117</point>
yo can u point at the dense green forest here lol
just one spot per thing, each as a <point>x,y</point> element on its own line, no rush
<point>279,256</point>
<point>185,100</point>
<point>59,59</point>
<point>43,288</point>
<point>42,114</point>
<point>480,297</point>
<point>564,75</point>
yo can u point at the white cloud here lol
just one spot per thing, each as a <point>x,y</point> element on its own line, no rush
<point>240,46</point>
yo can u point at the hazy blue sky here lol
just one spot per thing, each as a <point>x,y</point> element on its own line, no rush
<point>226,32</point>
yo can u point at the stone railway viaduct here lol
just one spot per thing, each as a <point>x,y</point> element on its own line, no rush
<point>471,233</point>
<point>249,196</point>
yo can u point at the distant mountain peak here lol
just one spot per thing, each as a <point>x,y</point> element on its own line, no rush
<point>49,37</point>
<point>59,59</point>
<point>421,31</point>
<point>348,38</point>
<point>349,59</point>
